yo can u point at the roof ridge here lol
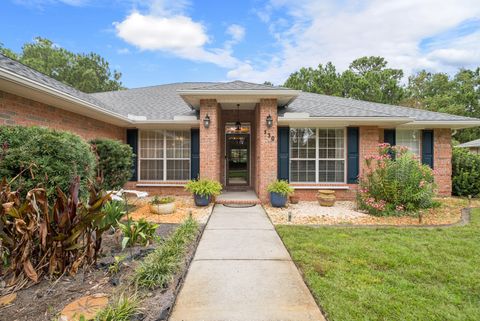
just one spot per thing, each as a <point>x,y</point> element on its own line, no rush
<point>154,86</point>
<point>337,104</point>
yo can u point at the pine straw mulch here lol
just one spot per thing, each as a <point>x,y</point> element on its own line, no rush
<point>184,206</point>
<point>449,212</point>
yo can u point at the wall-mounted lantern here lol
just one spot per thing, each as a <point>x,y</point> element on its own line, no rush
<point>206,121</point>
<point>269,121</point>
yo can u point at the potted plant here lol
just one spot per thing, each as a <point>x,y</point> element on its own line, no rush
<point>294,199</point>
<point>164,205</point>
<point>279,191</point>
<point>203,190</point>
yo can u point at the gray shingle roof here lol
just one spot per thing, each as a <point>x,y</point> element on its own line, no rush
<point>473,143</point>
<point>156,103</point>
<point>163,102</point>
<point>330,106</point>
<point>27,72</point>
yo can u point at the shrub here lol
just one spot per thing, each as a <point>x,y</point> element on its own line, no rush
<point>134,232</point>
<point>465,173</point>
<point>280,187</point>
<point>204,187</point>
<point>395,186</point>
<point>115,159</point>
<point>53,237</point>
<point>113,213</point>
<point>44,157</point>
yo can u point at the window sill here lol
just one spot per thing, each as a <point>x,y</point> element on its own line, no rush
<point>166,184</point>
<point>337,187</point>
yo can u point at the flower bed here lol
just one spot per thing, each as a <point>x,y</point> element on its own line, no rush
<point>310,213</point>
<point>184,206</point>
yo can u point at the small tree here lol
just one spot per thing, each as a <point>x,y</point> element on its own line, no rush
<point>115,159</point>
<point>465,173</point>
<point>395,182</point>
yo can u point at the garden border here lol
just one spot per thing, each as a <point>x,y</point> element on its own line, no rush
<point>464,220</point>
<point>180,279</point>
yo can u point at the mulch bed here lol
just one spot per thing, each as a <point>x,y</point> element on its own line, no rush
<point>184,207</point>
<point>310,213</point>
<point>44,300</point>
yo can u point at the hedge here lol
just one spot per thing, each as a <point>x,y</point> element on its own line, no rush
<point>114,162</point>
<point>465,173</point>
<point>55,158</point>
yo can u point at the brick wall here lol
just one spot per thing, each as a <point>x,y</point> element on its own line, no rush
<point>16,110</point>
<point>210,141</point>
<point>266,147</point>
<point>369,140</point>
<point>442,162</point>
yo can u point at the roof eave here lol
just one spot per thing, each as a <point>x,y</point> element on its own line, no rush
<point>344,121</point>
<point>64,99</point>
<point>452,124</point>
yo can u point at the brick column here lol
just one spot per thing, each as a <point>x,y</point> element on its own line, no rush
<point>442,160</point>
<point>210,140</point>
<point>369,140</point>
<point>266,147</point>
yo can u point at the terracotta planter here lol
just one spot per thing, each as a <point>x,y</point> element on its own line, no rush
<point>167,208</point>
<point>294,199</point>
<point>326,197</point>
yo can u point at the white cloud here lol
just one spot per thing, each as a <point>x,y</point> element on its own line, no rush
<point>167,28</point>
<point>237,32</point>
<point>149,32</point>
<point>320,31</point>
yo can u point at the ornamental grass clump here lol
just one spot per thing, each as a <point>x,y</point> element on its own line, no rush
<point>395,183</point>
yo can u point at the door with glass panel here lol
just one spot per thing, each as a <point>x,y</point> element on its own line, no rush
<point>237,154</point>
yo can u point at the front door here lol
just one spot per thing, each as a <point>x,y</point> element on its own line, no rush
<point>237,159</point>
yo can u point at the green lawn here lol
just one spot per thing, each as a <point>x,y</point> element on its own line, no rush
<point>391,274</point>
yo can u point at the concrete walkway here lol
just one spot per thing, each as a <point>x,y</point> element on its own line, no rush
<point>242,271</point>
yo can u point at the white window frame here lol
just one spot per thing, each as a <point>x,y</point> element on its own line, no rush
<point>317,158</point>
<point>418,140</point>
<point>164,158</point>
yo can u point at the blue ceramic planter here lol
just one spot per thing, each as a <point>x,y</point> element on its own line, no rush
<point>201,200</point>
<point>278,200</point>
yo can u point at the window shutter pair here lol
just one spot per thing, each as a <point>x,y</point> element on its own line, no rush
<point>132,140</point>
<point>427,144</point>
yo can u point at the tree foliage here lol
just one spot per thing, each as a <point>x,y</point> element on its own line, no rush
<point>86,72</point>
<point>369,78</point>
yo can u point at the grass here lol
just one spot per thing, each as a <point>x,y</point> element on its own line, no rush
<point>391,273</point>
<point>159,267</point>
<point>122,309</point>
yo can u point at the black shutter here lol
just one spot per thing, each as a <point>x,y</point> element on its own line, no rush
<point>132,140</point>
<point>389,136</point>
<point>195,153</point>
<point>283,152</point>
<point>427,147</point>
<point>353,164</point>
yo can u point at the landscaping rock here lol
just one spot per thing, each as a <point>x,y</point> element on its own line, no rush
<point>87,306</point>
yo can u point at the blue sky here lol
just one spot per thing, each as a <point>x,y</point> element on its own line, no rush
<point>161,41</point>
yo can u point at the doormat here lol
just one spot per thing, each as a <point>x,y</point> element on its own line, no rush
<point>239,205</point>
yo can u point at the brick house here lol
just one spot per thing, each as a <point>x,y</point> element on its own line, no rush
<point>242,134</point>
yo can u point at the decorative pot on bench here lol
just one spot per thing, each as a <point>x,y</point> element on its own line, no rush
<point>165,205</point>
<point>326,197</point>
